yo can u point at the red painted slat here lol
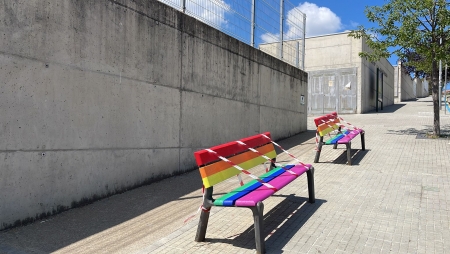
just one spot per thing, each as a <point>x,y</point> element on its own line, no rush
<point>203,157</point>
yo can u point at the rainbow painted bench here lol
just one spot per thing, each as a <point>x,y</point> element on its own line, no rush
<point>332,123</point>
<point>222,162</point>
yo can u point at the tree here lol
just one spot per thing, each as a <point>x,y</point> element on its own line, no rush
<point>417,31</point>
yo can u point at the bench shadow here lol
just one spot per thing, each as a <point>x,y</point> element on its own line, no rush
<point>357,156</point>
<point>356,153</point>
<point>280,224</point>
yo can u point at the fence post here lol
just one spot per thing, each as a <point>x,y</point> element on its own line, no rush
<point>184,6</point>
<point>281,27</point>
<point>297,55</point>
<point>304,41</point>
<point>252,36</point>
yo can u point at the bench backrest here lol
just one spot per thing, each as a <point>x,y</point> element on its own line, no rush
<point>327,123</point>
<point>213,170</point>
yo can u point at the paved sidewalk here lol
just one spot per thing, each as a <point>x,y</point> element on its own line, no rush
<point>394,199</point>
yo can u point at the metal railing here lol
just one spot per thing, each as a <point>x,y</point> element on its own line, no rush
<point>257,23</point>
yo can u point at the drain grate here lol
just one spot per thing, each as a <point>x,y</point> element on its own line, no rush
<point>421,136</point>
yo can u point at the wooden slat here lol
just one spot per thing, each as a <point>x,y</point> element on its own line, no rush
<point>203,157</point>
<point>232,171</point>
<point>218,166</point>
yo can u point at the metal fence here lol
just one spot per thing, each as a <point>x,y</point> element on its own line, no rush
<point>257,23</point>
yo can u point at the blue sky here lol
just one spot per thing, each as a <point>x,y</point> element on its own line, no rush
<point>350,12</point>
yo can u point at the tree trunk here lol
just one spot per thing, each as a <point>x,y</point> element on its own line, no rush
<point>435,95</point>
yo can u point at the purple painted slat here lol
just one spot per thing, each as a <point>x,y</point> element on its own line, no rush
<point>263,192</point>
<point>350,136</point>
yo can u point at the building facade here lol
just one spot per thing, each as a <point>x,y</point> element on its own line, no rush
<point>340,80</point>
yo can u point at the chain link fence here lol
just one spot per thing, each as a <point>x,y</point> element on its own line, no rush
<point>276,27</point>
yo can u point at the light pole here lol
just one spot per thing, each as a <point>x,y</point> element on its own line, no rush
<point>440,81</point>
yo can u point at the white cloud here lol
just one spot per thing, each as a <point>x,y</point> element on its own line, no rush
<point>319,21</point>
<point>354,24</point>
<point>211,12</point>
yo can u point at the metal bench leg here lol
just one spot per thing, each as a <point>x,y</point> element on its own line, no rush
<point>335,145</point>
<point>259,226</point>
<point>319,149</point>
<point>349,153</point>
<point>363,143</point>
<point>310,176</point>
<point>204,216</point>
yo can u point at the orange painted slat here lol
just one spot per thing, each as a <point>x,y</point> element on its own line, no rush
<point>238,159</point>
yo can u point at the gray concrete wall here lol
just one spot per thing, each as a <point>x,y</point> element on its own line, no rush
<point>421,88</point>
<point>101,96</point>
<point>369,79</point>
<point>406,86</point>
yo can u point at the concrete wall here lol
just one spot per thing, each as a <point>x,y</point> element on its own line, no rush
<point>405,85</point>
<point>101,96</point>
<point>369,88</point>
<point>337,51</point>
<point>421,87</point>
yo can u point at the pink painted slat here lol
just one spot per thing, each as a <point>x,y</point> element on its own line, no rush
<point>263,192</point>
<point>350,136</point>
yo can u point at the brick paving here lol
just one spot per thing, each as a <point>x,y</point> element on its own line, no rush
<point>393,199</point>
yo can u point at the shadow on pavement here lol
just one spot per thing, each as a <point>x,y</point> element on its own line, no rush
<point>388,109</point>
<point>409,131</point>
<point>357,156</point>
<point>296,140</point>
<point>280,224</point>
<point>56,232</point>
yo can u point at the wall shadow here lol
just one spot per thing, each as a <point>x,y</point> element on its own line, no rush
<point>80,223</point>
<point>296,140</point>
<point>388,109</point>
<point>280,224</point>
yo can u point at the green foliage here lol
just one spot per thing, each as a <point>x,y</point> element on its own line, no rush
<point>412,29</point>
<point>417,31</point>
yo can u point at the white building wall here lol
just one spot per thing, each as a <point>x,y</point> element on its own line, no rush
<point>341,51</point>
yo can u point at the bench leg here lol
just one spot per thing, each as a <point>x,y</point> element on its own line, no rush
<point>310,177</point>
<point>336,144</point>
<point>363,143</point>
<point>349,153</point>
<point>204,216</point>
<point>319,149</point>
<point>259,226</point>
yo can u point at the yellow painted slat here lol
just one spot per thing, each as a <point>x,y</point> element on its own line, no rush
<point>232,171</point>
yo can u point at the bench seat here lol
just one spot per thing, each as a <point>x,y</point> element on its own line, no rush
<point>253,192</point>
<point>344,137</point>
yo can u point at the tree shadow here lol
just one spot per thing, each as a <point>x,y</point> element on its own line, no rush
<point>410,131</point>
<point>280,224</point>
